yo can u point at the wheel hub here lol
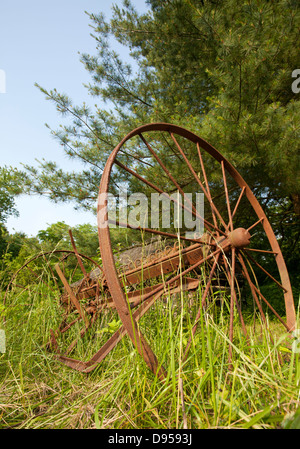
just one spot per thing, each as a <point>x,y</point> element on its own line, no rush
<point>239,238</point>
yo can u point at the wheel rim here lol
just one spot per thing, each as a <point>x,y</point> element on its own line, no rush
<point>235,238</point>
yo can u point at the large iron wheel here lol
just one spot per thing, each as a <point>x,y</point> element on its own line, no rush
<point>236,229</point>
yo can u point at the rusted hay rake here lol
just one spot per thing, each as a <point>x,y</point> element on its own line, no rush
<point>238,245</point>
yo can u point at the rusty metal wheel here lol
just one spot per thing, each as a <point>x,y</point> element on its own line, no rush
<point>238,239</point>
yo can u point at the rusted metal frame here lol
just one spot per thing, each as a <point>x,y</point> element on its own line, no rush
<point>184,272</point>
<point>169,259</point>
<point>111,276</point>
<point>39,278</point>
<point>264,270</point>
<point>89,366</point>
<point>110,271</point>
<point>150,358</point>
<point>77,255</point>
<point>230,224</point>
<point>72,295</point>
<point>75,341</point>
<point>177,185</point>
<point>198,180</point>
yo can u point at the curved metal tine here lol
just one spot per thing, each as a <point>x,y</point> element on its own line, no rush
<point>40,278</point>
<point>75,341</point>
<point>77,255</point>
<point>72,295</point>
<point>230,225</point>
<point>208,196</point>
<point>52,272</point>
<point>168,257</point>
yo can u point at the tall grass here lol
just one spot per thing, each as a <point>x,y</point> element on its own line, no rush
<point>259,390</point>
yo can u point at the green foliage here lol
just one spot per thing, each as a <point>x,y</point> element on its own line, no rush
<point>260,391</point>
<point>223,70</point>
<point>9,180</point>
<point>292,421</point>
<point>56,236</point>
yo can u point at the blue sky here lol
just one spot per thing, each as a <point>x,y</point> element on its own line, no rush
<point>39,42</point>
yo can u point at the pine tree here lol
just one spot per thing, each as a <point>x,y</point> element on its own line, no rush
<point>221,69</point>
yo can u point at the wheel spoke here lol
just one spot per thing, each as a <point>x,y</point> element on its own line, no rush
<point>264,270</point>
<point>209,226</point>
<point>156,231</point>
<point>251,284</point>
<point>198,180</point>
<point>247,276</point>
<point>232,299</point>
<point>178,276</point>
<point>230,225</point>
<point>203,300</point>
<point>262,251</point>
<point>255,224</point>
<point>207,184</point>
<point>231,278</point>
<point>238,201</point>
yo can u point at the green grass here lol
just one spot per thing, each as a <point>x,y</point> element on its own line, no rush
<point>261,390</point>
